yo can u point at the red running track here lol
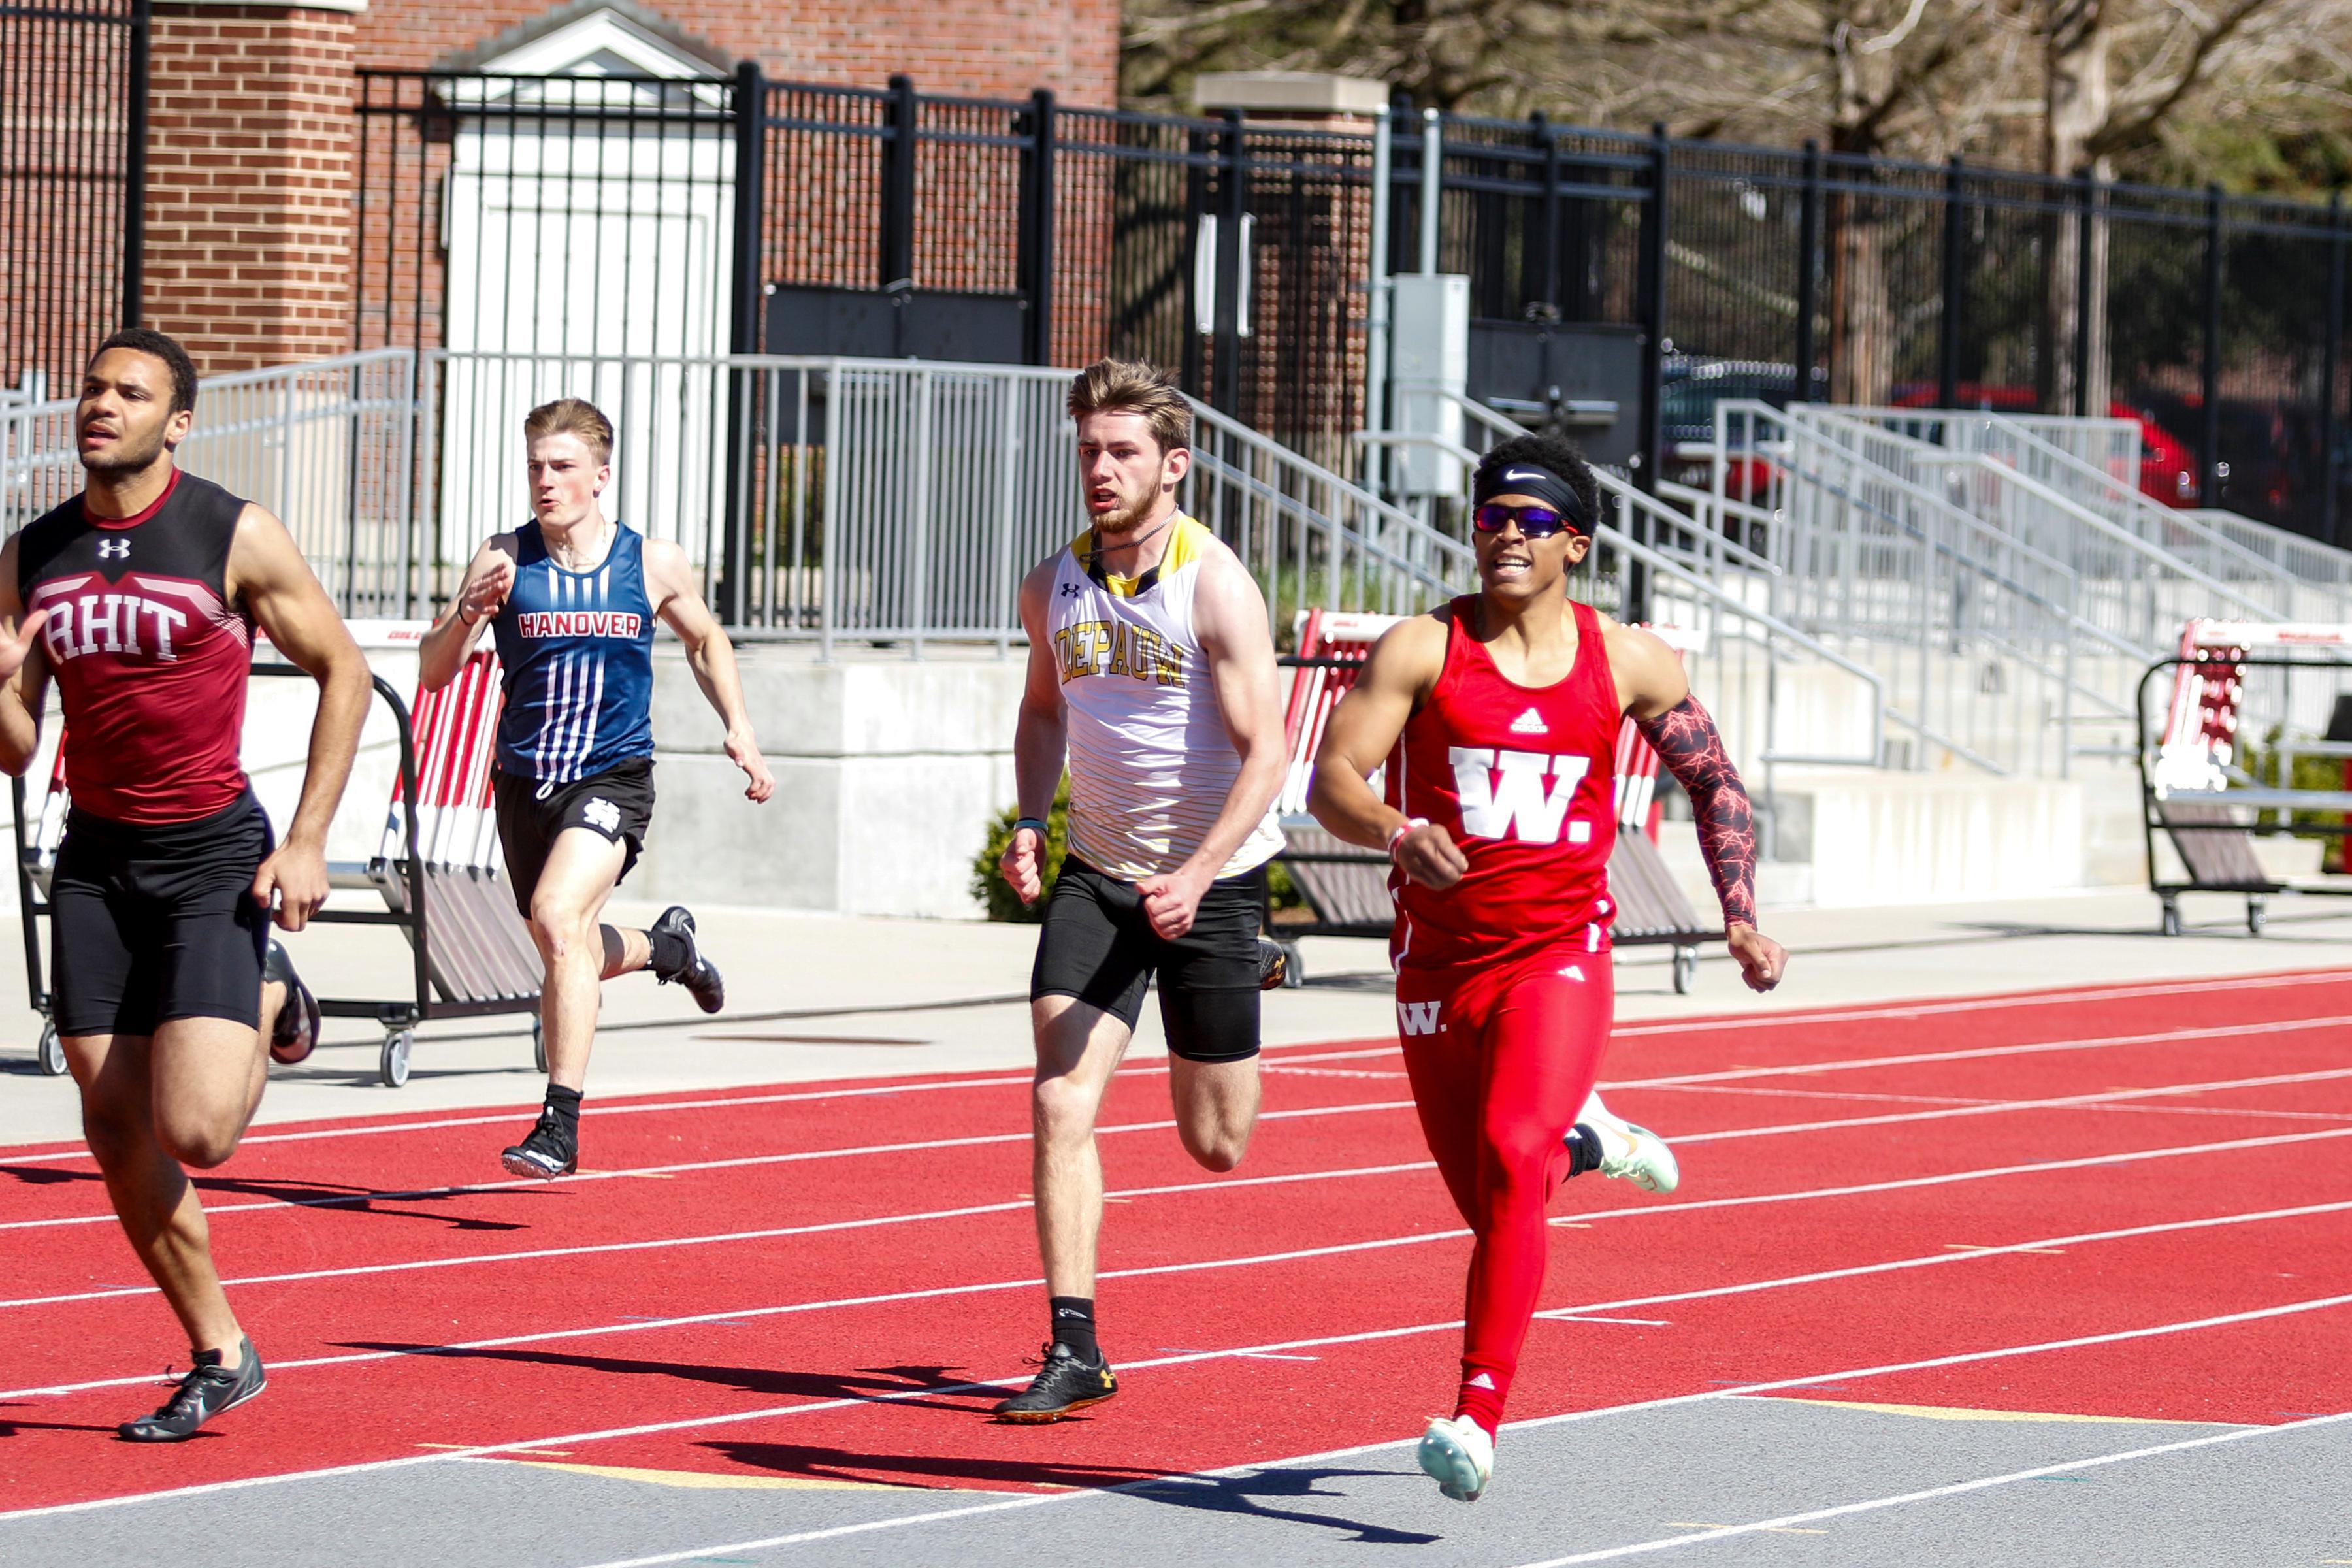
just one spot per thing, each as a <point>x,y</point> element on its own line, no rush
<point>808,1282</point>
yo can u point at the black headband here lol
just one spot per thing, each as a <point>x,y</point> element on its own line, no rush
<point>1529,479</point>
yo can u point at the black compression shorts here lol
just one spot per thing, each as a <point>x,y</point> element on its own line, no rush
<point>1098,946</point>
<point>617,803</point>
<point>153,923</point>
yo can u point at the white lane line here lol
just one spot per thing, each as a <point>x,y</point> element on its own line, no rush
<point>1991,1004</point>
<point>811,1407</point>
<point>1683,1081</point>
<point>657,1243</point>
<point>737,1315</point>
<point>1930,1494</point>
<point>1625,1031</point>
<point>1980,1053</point>
<point>799,1538</point>
<point>2003,1106</point>
<point>796,1156</point>
<point>720,1102</point>
<point>1755,1091</point>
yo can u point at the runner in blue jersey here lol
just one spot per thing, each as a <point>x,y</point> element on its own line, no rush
<point>572,597</point>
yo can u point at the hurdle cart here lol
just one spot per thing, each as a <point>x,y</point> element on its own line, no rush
<point>436,867</point>
<point>2195,787</point>
<point>1347,885</point>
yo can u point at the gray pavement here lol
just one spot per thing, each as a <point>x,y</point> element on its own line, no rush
<point>823,996</point>
<point>1830,1485</point>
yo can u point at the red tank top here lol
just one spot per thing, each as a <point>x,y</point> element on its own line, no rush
<point>149,654</point>
<point>1523,777</point>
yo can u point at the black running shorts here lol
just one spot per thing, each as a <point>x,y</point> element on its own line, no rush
<point>152,923</point>
<point>1098,946</point>
<point>617,803</point>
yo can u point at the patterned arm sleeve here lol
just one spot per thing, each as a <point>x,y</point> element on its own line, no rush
<point>1692,748</point>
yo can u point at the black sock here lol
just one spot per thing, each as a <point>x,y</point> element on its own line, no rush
<point>1074,1326</point>
<point>670,954</point>
<point>1584,1152</point>
<point>566,1103</point>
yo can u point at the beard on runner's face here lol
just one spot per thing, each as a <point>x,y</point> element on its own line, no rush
<point>1129,511</point>
<point>137,443</point>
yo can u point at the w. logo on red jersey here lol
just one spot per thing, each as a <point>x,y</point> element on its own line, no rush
<point>1504,795</point>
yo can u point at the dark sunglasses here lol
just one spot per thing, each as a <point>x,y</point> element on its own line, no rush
<point>1535,521</point>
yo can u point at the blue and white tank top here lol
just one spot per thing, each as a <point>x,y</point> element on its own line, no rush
<point>578,647</point>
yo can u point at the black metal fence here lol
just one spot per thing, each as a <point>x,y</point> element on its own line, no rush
<point>1239,253</point>
<point>73,158</point>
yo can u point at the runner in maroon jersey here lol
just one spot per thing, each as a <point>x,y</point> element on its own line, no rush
<point>1500,818</point>
<point>139,596</point>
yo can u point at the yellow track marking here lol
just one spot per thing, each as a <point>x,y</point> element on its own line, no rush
<point>1964,1413</point>
<point>706,1480</point>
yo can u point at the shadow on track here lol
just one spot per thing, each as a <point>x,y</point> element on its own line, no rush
<point>1249,1495</point>
<point>922,1387</point>
<point>309,1194</point>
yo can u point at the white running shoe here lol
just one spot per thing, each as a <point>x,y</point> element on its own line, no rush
<point>1634,1153</point>
<point>1458,1456</point>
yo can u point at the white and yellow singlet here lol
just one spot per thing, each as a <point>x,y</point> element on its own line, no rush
<point>1150,759</point>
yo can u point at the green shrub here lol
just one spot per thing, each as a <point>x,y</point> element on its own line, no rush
<point>988,884</point>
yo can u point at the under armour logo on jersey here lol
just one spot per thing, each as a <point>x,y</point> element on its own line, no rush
<point>602,813</point>
<point>114,550</point>
<point>1517,805</point>
<point>1071,590</point>
<point>1529,723</point>
<point>1418,1017</point>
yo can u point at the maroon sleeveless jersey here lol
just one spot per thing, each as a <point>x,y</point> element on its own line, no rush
<point>1523,777</point>
<point>149,654</point>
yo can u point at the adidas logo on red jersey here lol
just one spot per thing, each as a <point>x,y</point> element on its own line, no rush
<point>1529,723</point>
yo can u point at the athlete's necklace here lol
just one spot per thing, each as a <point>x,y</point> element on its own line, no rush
<point>565,556</point>
<point>1094,550</point>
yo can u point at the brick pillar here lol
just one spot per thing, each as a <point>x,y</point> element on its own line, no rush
<point>249,181</point>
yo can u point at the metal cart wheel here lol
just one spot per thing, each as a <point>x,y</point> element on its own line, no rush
<point>51,1052</point>
<point>2171,918</point>
<point>1294,973</point>
<point>1685,969</point>
<point>2256,913</point>
<point>538,1044</point>
<point>394,1066</point>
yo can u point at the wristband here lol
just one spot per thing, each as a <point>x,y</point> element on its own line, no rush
<point>1043,832</point>
<point>1396,834</point>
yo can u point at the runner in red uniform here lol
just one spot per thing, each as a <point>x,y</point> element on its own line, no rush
<point>1498,716</point>
<point>139,597</point>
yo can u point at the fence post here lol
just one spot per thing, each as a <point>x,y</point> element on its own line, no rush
<point>134,167</point>
<point>1037,239</point>
<point>1947,358</point>
<point>2086,274</point>
<point>1233,200</point>
<point>2209,453</point>
<point>749,104</point>
<point>1376,337</point>
<point>1651,458</point>
<point>898,250</point>
<point>1546,290</point>
<point>2331,360</point>
<point>1809,245</point>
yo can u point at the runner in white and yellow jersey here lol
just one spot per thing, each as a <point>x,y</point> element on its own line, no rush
<point>1151,671</point>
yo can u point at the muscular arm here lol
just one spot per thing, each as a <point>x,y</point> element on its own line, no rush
<point>1230,615</point>
<point>489,577</point>
<point>670,580</point>
<point>266,571</point>
<point>1040,737</point>
<point>1650,682</point>
<point>23,672</point>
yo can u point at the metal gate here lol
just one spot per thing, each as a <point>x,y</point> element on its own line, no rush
<point>73,161</point>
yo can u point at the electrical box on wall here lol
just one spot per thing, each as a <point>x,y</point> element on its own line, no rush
<point>1429,363</point>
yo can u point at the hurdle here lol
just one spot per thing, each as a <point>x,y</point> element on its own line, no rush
<point>1347,885</point>
<point>2194,787</point>
<point>437,867</point>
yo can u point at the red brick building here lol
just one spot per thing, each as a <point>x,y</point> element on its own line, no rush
<point>253,146</point>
